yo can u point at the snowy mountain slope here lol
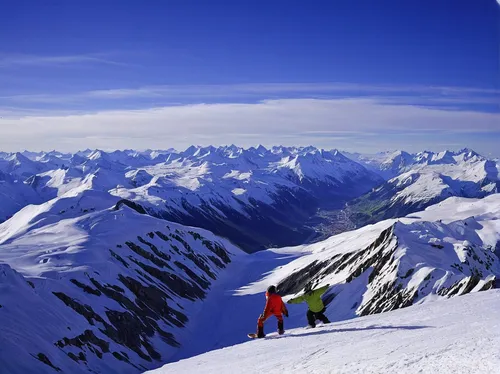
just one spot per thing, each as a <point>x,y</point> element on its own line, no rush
<point>256,197</point>
<point>91,289</point>
<point>425,179</point>
<point>14,195</point>
<point>460,335</point>
<point>19,177</point>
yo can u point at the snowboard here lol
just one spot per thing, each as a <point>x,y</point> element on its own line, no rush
<point>254,336</point>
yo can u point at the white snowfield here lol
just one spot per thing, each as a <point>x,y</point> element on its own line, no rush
<point>459,335</point>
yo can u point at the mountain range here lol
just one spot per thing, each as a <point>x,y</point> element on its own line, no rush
<point>256,197</point>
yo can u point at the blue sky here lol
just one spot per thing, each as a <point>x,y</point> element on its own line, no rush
<point>352,74</point>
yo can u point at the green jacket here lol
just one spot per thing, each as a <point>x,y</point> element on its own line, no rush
<point>313,299</point>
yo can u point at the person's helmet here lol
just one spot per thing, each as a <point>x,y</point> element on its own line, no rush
<point>271,289</point>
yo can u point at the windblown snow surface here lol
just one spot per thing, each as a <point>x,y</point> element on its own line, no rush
<point>460,335</point>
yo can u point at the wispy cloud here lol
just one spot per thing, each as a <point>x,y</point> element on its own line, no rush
<point>449,98</point>
<point>282,88</point>
<point>392,94</point>
<point>332,122</point>
<point>20,60</point>
<point>324,114</point>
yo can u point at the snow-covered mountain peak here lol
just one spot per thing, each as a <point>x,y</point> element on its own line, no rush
<point>261,149</point>
<point>98,155</point>
<point>445,157</point>
<point>85,152</point>
<point>76,159</point>
<point>18,158</point>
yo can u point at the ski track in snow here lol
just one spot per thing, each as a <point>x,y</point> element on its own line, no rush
<point>459,335</point>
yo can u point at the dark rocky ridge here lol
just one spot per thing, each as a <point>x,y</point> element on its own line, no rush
<point>379,271</point>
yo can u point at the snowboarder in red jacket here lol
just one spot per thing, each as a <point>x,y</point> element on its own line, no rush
<point>274,306</point>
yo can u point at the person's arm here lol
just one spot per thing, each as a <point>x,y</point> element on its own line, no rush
<point>284,310</point>
<point>321,291</point>
<point>296,300</point>
<point>267,311</point>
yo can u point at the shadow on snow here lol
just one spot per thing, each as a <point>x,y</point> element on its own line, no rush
<point>322,331</point>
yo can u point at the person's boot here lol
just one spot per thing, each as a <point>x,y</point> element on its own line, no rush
<point>260,332</point>
<point>281,329</point>
<point>322,317</point>
<point>311,319</point>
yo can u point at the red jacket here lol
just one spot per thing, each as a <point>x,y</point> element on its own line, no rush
<point>274,306</point>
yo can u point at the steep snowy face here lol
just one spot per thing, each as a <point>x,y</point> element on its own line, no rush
<point>428,179</point>
<point>446,251</point>
<point>86,289</point>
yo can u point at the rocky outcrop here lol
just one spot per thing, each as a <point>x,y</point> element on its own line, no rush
<point>397,269</point>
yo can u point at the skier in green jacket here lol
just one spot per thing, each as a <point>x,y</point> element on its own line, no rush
<point>315,304</point>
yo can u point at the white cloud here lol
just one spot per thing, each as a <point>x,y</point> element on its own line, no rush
<point>287,121</point>
<point>20,60</point>
<point>394,93</point>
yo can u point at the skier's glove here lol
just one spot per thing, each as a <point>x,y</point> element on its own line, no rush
<point>286,313</point>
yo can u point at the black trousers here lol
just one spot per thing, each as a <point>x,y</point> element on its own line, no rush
<point>313,316</point>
